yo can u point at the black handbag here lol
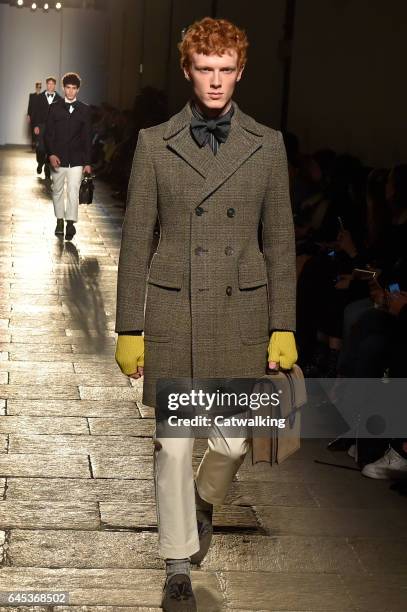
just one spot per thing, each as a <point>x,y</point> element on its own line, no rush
<point>86,189</point>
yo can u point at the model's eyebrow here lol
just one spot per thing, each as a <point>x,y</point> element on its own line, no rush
<point>204,67</point>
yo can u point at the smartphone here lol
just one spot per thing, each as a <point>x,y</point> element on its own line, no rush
<point>394,288</point>
<point>361,274</point>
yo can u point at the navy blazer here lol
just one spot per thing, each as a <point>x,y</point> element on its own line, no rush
<point>69,135</point>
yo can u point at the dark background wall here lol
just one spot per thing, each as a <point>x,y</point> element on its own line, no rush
<point>347,86</point>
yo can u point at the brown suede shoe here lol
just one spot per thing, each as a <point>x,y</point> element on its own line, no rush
<point>178,595</point>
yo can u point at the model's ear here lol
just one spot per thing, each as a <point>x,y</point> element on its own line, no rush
<point>239,75</point>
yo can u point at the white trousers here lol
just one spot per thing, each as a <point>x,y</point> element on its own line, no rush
<point>72,177</point>
<point>174,487</point>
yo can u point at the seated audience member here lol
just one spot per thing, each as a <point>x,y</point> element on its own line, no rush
<point>323,278</point>
<point>386,252</point>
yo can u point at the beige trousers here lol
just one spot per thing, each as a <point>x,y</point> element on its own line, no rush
<point>72,176</point>
<point>174,487</point>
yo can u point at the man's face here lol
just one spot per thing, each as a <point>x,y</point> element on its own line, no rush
<point>214,79</point>
<point>50,86</point>
<point>71,91</point>
<point>38,87</point>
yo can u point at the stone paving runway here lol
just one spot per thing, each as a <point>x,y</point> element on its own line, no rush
<point>77,500</point>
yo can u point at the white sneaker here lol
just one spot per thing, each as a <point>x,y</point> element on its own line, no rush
<point>390,466</point>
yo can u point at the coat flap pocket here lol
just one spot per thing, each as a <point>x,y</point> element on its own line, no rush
<point>252,273</point>
<point>166,273</point>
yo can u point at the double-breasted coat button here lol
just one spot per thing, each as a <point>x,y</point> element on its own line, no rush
<point>231,212</point>
<point>229,250</point>
<point>199,211</point>
<point>229,290</point>
<point>200,250</point>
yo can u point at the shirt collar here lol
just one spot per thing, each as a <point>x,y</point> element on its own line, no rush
<point>199,115</point>
<point>70,101</point>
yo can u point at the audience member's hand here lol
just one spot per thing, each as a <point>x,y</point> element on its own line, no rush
<point>344,281</point>
<point>396,301</point>
<point>345,243</point>
<point>377,293</point>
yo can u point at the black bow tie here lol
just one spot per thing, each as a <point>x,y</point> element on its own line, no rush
<point>202,128</point>
<point>50,95</point>
<point>69,104</point>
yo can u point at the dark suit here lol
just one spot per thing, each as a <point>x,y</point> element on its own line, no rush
<point>69,135</point>
<point>31,102</point>
<point>41,108</point>
<point>39,116</point>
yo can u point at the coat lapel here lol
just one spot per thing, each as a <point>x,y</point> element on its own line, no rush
<point>179,140</point>
<point>244,139</point>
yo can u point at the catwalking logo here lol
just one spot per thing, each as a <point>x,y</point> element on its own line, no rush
<point>221,399</point>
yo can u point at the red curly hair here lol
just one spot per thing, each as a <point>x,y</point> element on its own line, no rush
<point>213,36</point>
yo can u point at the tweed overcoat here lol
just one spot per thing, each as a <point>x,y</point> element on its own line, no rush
<point>209,299</point>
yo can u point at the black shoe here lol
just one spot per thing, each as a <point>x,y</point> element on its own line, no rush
<point>70,230</point>
<point>39,169</point>
<point>59,230</point>
<point>178,595</point>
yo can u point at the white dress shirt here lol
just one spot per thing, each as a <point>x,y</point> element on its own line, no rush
<point>71,108</point>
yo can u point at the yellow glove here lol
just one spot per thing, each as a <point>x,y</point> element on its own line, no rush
<point>129,353</point>
<point>282,350</point>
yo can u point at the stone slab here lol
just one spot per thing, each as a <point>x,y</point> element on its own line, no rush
<point>382,555</point>
<point>80,444</point>
<point>39,377</point>
<point>122,426</point>
<point>341,522</point>
<point>107,393</point>
<point>122,467</point>
<point>367,494</point>
<point>48,515</point>
<point>43,425</point>
<point>85,549</point>
<point>282,554</point>
<point>135,589</point>
<point>377,592</point>
<point>38,392</point>
<point>259,591</point>
<point>34,466</point>
<point>36,366</point>
<point>83,489</point>
<point>72,408</point>
<point>270,494</point>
